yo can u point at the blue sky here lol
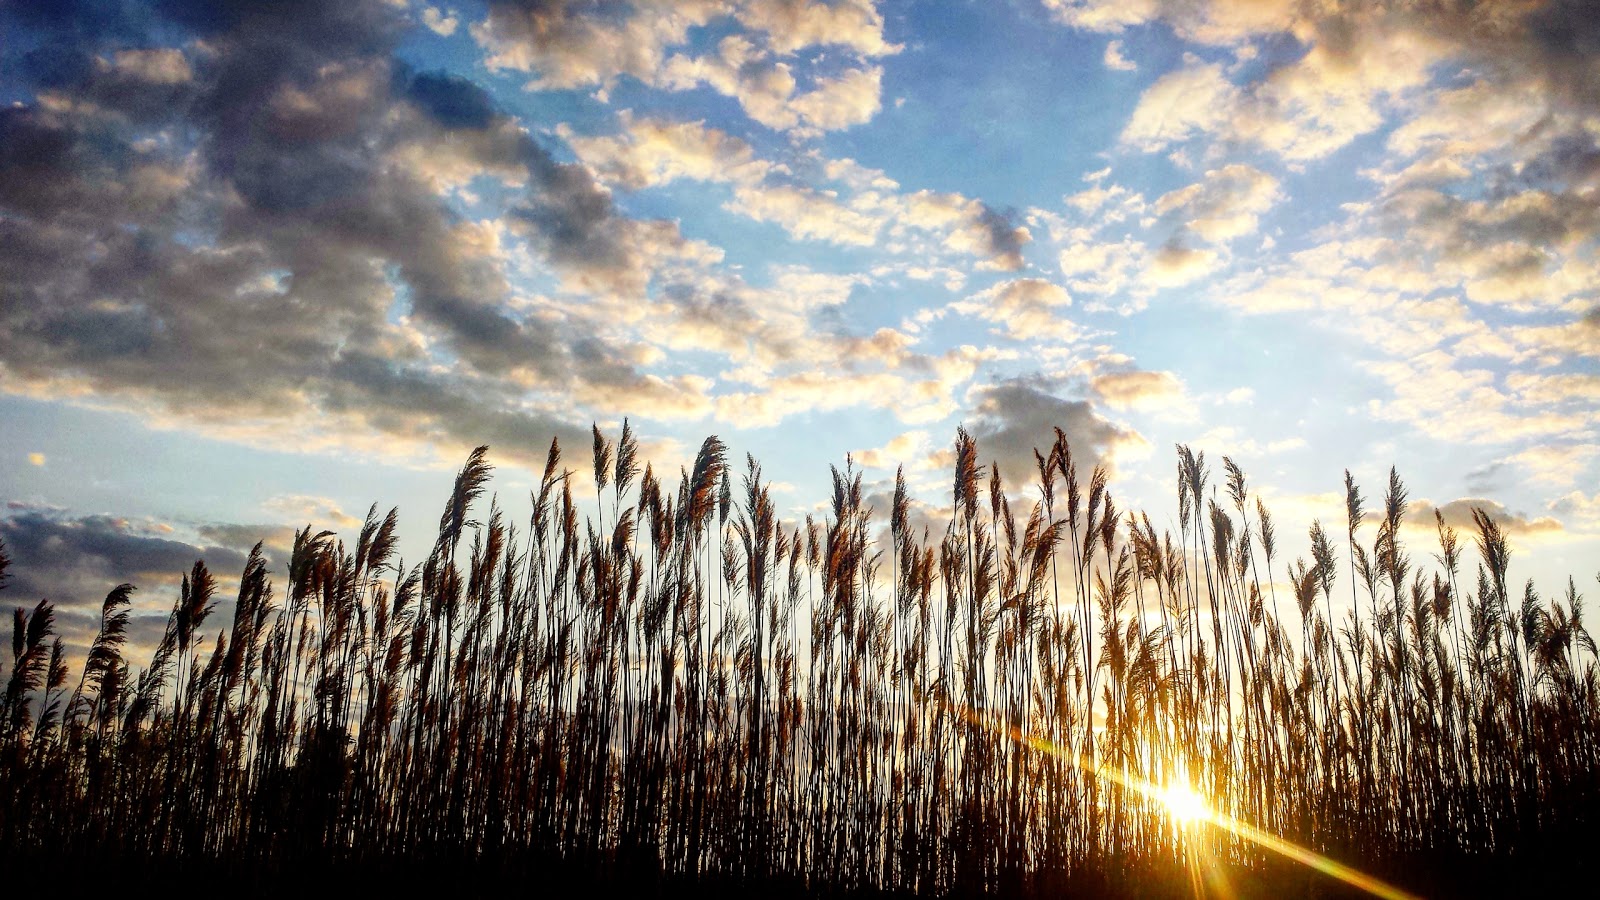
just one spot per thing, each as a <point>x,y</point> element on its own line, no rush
<point>269,263</point>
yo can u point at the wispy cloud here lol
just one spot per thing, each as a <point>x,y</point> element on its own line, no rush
<point>1114,59</point>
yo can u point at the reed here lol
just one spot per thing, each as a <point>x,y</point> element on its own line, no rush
<point>683,689</point>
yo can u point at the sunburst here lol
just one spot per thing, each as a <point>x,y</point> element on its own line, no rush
<point>1186,807</point>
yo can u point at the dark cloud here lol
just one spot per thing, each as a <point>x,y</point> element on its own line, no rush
<point>400,401</point>
<point>1513,237</point>
<point>1563,45</point>
<point>1487,478</point>
<point>1003,237</point>
<point>451,100</point>
<point>1458,515</point>
<point>924,515</point>
<point>276,540</point>
<point>80,19</point>
<point>1554,42</point>
<point>572,219</point>
<point>74,562</point>
<point>236,209</point>
<point>302,33</point>
<point>570,43</point>
<point>1015,416</point>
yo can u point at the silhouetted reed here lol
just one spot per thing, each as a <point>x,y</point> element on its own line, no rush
<point>682,688</point>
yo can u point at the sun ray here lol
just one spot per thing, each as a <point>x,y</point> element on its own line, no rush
<point>1190,809</point>
<point>1184,805</point>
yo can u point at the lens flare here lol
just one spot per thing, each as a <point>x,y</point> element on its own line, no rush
<point>1186,807</point>
<point>1190,808</point>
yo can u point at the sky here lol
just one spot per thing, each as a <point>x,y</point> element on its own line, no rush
<point>268,263</point>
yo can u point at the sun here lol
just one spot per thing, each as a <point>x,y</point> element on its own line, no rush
<point>1184,805</point>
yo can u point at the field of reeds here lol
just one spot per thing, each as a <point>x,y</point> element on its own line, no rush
<point>664,686</point>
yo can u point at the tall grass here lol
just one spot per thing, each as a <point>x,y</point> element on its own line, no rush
<point>680,686</point>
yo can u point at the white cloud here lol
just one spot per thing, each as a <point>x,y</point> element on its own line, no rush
<point>156,66</point>
<point>907,447</point>
<point>1175,264</point>
<point>571,43</point>
<point>1181,104</point>
<point>766,87</point>
<point>1556,464</point>
<point>1025,309</point>
<point>439,22</point>
<point>794,25</point>
<point>805,213</point>
<point>302,508</point>
<point>1137,389</point>
<point>1225,205</point>
<point>851,98</point>
<point>652,152</point>
<point>1577,505</point>
<point>1102,15</point>
<point>1114,59</point>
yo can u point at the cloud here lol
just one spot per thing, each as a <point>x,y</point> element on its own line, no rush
<point>813,198</point>
<point>163,65</point>
<point>1213,22</point>
<point>1577,337</point>
<point>1177,264</point>
<point>1114,59</point>
<point>36,459</point>
<point>1339,90</point>
<point>1471,303</point>
<point>580,43</point>
<point>1361,63</point>
<point>1517,248</point>
<point>283,257</point>
<point>1136,389</point>
<point>1555,464</point>
<point>1115,244</point>
<point>768,91</point>
<point>967,226</point>
<point>1101,267</point>
<point>439,22</point>
<point>850,98</point>
<point>1102,15</point>
<point>1462,403</point>
<point>576,43</point>
<point>73,561</point>
<point>906,448</point>
<point>805,213</point>
<point>1013,417</point>
<point>1227,440</point>
<point>1179,105</point>
<point>794,25</point>
<point>304,508</point>
<point>1025,309</point>
<point>652,152</point>
<point>1225,205</point>
<point>1111,202</point>
<point>1457,124</point>
<point>1419,515</point>
<point>878,372</point>
<point>1566,387</point>
<point>1485,194</point>
<point>1578,506</point>
<point>277,541</point>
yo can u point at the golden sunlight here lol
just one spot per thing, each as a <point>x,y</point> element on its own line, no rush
<point>1184,805</point>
